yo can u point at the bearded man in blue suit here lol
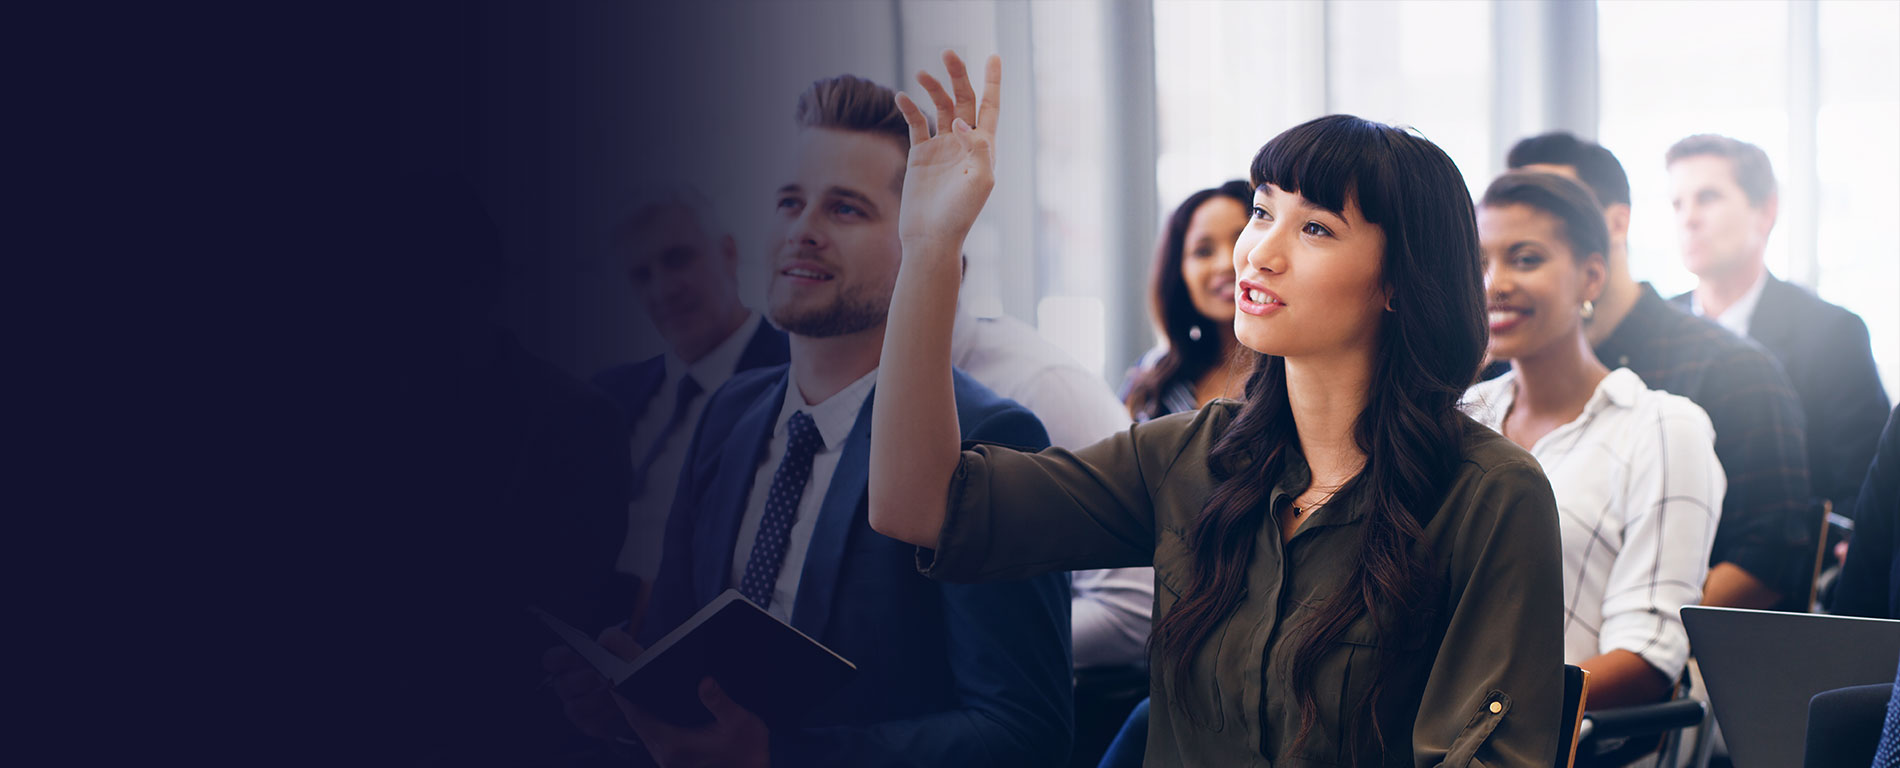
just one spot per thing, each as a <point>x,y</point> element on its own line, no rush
<point>772,502</point>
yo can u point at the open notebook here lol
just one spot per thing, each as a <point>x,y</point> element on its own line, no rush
<point>763,663</point>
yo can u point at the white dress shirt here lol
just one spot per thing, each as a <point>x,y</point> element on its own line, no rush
<point>646,513</point>
<point>1639,493</point>
<point>1738,315</point>
<point>834,418</point>
<point>1110,609</point>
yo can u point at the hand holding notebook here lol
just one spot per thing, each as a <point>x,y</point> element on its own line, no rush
<point>763,665</point>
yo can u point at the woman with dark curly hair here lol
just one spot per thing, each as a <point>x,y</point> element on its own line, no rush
<point>1191,294</point>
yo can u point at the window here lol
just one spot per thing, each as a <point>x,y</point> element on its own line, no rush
<point>1674,69</point>
<point>1857,244</point>
<point>1422,65</point>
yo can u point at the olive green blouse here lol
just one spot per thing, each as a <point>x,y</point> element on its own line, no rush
<point>1484,686</point>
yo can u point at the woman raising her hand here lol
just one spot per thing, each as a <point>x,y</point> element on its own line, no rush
<point>1348,570</point>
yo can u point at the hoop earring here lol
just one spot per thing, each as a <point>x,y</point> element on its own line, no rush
<point>1589,310</point>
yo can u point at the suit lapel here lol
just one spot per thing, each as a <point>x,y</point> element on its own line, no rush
<point>768,346</point>
<point>648,384</point>
<point>818,582</point>
<point>726,501</point>
<point>1769,325</point>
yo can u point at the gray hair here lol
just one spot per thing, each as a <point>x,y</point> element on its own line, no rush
<point>653,200</point>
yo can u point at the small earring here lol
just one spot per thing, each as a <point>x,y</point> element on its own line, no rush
<point>1389,307</point>
<point>1589,309</point>
<point>1194,333</point>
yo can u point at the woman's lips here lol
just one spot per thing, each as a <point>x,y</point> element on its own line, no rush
<point>1504,319</point>
<point>1255,300</point>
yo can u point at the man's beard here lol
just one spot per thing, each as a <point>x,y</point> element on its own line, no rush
<point>850,312</point>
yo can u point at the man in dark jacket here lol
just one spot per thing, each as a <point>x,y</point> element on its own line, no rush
<point>1725,200</point>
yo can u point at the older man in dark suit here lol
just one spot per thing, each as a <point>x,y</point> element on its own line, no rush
<point>1726,203</point>
<point>684,273</point>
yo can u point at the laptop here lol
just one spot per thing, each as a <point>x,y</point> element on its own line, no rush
<point>1762,667</point>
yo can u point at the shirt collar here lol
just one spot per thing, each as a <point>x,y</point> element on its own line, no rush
<point>1620,389</point>
<point>712,370</point>
<point>1737,316</point>
<point>835,416</point>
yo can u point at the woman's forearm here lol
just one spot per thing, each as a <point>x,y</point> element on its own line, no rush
<point>914,432</point>
<point>1621,678</point>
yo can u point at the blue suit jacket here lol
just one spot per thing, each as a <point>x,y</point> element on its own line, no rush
<point>632,386</point>
<point>948,674</point>
<point>1872,571</point>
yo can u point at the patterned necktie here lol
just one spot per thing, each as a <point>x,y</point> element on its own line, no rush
<point>688,391</point>
<point>781,510</point>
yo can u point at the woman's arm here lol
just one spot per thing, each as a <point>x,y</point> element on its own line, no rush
<point>1495,689</point>
<point>1669,514</point>
<point>914,432</point>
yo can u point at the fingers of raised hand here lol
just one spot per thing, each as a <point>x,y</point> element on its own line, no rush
<point>992,94</point>
<point>960,87</point>
<point>914,117</point>
<point>946,107</point>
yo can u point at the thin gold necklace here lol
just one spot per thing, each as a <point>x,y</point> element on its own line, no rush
<point>1308,509</point>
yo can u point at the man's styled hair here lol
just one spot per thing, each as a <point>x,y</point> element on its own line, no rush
<point>851,103</point>
<point>1596,167</point>
<point>1752,171</point>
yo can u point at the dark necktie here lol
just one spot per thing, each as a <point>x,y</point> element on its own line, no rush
<point>688,391</point>
<point>781,510</point>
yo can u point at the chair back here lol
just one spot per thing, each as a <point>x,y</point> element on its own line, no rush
<point>1576,690</point>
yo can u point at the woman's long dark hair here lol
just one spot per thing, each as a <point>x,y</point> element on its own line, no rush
<point>1429,348</point>
<point>1187,357</point>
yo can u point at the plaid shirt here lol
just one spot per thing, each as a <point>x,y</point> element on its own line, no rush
<point>1768,524</point>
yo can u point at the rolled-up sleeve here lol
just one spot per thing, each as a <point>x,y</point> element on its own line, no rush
<point>1013,514</point>
<point>1672,508</point>
<point>1494,692</point>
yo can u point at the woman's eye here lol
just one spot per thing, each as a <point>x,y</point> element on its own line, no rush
<point>1202,253</point>
<point>1257,212</point>
<point>1529,261</point>
<point>1316,229</point>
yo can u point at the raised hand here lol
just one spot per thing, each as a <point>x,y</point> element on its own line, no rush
<point>914,432</point>
<point>949,175</point>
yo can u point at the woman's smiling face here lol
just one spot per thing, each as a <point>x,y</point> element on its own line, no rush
<point>1534,284</point>
<point>1207,256</point>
